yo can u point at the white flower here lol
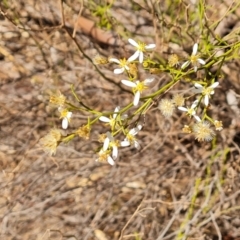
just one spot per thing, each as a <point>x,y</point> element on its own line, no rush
<point>66,120</point>
<point>131,139</point>
<point>141,47</point>
<point>137,87</point>
<point>194,59</point>
<point>123,63</point>
<point>111,142</point>
<point>206,91</point>
<point>112,120</point>
<point>190,111</point>
<point>104,156</point>
<point>65,115</point>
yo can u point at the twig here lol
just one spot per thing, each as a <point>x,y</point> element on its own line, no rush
<point>83,53</point>
<point>216,226</point>
<point>76,23</point>
<point>134,214</point>
<point>169,224</point>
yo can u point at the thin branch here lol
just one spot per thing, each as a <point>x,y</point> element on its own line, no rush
<point>216,226</point>
<point>76,23</point>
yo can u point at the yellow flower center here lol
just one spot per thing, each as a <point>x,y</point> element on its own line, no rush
<point>114,144</point>
<point>102,156</point>
<point>207,91</point>
<point>141,46</point>
<point>63,113</point>
<point>130,138</point>
<point>140,87</point>
<point>191,111</point>
<point>123,62</point>
<point>194,58</point>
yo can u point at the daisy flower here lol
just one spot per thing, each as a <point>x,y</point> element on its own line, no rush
<point>141,48</point>
<point>131,139</point>
<point>191,111</point>
<point>113,120</point>
<point>104,156</point>
<point>65,115</point>
<point>138,87</point>
<point>206,91</point>
<point>123,63</point>
<point>112,143</point>
<point>194,59</point>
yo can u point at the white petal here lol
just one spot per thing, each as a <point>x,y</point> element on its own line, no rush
<point>197,118</point>
<point>135,131</point>
<point>201,61</point>
<point>124,116</point>
<point>104,119</point>
<point>195,103</point>
<point>148,81</point>
<point>116,110</point>
<point>197,85</point>
<point>195,48</point>
<point>69,115</point>
<point>134,56</point>
<point>127,68</point>
<point>140,57</point>
<point>115,152</point>
<point>114,60</point>
<point>118,70</point>
<point>65,123</point>
<point>183,109</point>
<point>109,135</point>
<point>185,64</point>
<point>125,143</point>
<point>131,41</point>
<point>195,68</point>
<point>136,144</point>
<point>136,98</point>
<point>129,83</point>
<point>206,100</point>
<point>106,144</point>
<point>149,46</point>
<point>214,85</point>
<point>110,160</point>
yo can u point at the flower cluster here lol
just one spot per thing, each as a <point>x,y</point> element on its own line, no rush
<point>109,150</point>
<point>194,104</point>
<point>201,129</point>
<point>138,87</point>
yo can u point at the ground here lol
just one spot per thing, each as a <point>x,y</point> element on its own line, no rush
<point>173,187</point>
